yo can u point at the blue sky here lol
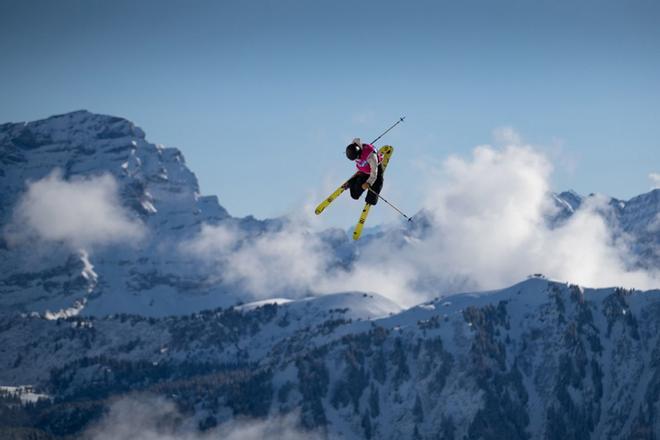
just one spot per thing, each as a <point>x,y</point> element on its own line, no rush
<point>262,96</point>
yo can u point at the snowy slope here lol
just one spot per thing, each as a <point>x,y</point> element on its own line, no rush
<point>540,359</point>
<point>35,344</point>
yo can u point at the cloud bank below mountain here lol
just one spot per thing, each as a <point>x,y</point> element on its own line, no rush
<point>144,417</point>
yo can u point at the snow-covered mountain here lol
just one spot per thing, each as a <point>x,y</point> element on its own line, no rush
<point>100,299</point>
<point>146,275</point>
<point>540,359</point>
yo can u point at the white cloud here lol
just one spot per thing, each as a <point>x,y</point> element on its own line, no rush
<point>500,234</point>
<point>489,231</point>
<point>214,241</point>
<point>655,180</point>
<point>290,260</point>
<point>488,214</point>
<point>155,418</point>
<point>80,213</point>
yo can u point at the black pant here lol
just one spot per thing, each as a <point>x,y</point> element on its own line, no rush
<point>355,184</point>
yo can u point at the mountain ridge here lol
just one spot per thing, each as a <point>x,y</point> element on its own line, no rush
<point>539,359</point>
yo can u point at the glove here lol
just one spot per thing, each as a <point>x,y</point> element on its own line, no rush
<point>365,186</point>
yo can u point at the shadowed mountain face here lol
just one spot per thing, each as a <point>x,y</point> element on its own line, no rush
<point>96,223</point>
<point>537,360</point>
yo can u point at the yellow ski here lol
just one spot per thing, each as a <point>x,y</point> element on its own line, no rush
<point>360,225</point>
<point>386,151</point>
<point>324,204</point>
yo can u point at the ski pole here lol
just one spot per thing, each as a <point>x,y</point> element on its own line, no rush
<point>395,124</point>
<point>395,208</point>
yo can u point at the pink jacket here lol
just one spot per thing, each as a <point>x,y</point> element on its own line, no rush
<point>363,162</point>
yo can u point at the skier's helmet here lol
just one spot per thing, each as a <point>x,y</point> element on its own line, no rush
<point>353,151</point>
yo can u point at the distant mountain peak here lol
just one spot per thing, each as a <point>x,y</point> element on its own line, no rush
<point>571,199</point>
<point>153,185</point>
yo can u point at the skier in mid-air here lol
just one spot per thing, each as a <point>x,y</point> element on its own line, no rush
<point>370,171</point>
<point>371,165</point>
